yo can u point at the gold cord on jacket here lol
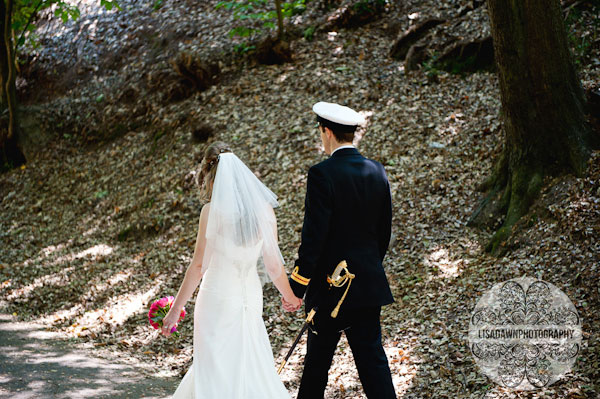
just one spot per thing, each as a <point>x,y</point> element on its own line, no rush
<point>339,280</point>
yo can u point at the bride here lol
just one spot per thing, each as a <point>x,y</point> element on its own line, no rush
<point>232,356</point>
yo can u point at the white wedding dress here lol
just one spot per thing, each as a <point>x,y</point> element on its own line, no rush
<point>232,356</point>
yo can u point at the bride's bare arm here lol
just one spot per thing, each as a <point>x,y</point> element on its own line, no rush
<point>273,262</point>
<point>193,275</point>
<point>283,285</point>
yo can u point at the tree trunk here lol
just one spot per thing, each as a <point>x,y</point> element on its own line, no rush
<point>3,59</point>
<point>11,154</point>
<point>11,91</point>
<point>543,108</point>
<point>279,20</point>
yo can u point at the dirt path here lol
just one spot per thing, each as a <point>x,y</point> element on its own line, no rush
<point>34,363</point>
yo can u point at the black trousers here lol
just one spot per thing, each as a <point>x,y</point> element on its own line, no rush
<point>363,332</point>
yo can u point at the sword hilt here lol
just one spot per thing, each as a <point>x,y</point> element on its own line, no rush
<point>339,280</point>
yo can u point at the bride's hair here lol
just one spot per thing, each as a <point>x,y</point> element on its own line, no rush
<point>205,176</point>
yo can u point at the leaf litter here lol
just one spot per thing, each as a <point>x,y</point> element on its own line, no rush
<point>92,234</point>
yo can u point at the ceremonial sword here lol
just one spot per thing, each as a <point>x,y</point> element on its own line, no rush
<point>309,319</point>
<point>335,280</point>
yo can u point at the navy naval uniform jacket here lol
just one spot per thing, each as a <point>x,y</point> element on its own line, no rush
<point>348,212</point>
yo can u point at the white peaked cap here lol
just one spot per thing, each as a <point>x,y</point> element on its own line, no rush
<point>338,113</point>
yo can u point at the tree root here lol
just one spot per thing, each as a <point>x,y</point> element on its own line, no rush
<point>492,207</point>
<point>272,51</point>
<point>511,191</point>
<point>434,39</point>
<point>468,55</point>
<point>197,74</point>
<point>407,39</point>
<point>351,14</point>
<point>521,190</point>
<point>11,155</point>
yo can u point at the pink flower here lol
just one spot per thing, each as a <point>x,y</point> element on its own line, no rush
<point>159,309</point>
<point>162,302</point>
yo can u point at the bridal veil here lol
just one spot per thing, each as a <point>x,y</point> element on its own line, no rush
<point>241,212</point>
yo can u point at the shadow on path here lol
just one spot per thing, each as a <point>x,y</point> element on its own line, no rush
<point>33,364</point>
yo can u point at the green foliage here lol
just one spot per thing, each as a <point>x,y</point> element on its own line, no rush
<point>262,11</point>
<point>66,11</point>
<point>368,6</point>
<point>244,48</point>
<point>581,37</point>
<point>243,31</point>
<point>26,11</point>
<point>533,219</point>
<point>459,66</point>
<point>101,194</point>
<point>157,4</point>
<point>430,67</point>
<point>582,48</point>
<point>149,203</point>
<point>110,4</point>
<point>293,8</point>
<point>309,33</point>
<point>8,165</point>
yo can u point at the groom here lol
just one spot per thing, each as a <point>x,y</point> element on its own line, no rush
<point>348,214</point>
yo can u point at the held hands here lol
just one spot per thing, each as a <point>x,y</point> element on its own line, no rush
<point>291,304</point>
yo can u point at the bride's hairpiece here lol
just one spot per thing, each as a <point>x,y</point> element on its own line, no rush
<point>218,158</point>
<point>207,170</point>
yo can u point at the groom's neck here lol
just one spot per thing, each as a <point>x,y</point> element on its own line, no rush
<point>335,145</point>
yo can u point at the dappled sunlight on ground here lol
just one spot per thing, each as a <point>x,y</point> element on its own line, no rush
<point>52,248</point>
<point>57,279</point>
<point>440,259</point>
<point>63,314</point>
<point>118,309</point>
<point>35,363</point>
<point>93,252</point>
<point>404,364</point>
<point>96,250</point>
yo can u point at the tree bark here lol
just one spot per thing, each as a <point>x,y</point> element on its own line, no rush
<point>543,105</point>
<point>9,84</point>
<point>279,20</point>
<point>3,59</point>
<point>11,154</point>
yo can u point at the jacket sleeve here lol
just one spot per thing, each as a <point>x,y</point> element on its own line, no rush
<point>318,206</point>
<point>385,222</point>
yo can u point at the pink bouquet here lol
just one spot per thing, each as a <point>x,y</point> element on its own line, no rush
<point>159,309</point>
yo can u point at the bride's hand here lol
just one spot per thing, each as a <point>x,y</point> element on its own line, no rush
<point>170,321</point>
<point>291,304</point>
